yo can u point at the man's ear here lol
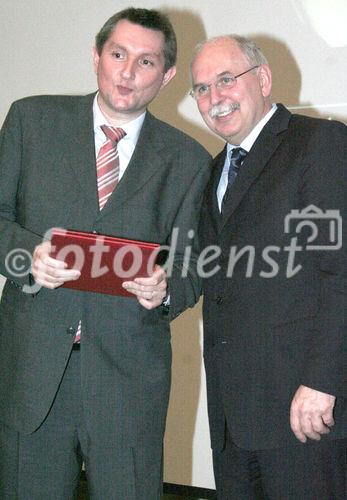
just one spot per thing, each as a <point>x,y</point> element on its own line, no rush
<point>96,58</point>
<point>168,76</point>
<point>265,79</point>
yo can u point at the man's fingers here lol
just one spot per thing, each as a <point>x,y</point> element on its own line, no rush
<point>151,281</point>
<point>54,272</point>
<point>307,427</point>
<point>42,256</point>
<point>296,426</point>
<point>49,272</point>
<point>150,292</point>
<point>48,284</point>
<point>320,427</point>
<point>158,277</point>
<point>150,288</point>
<point>328,419</point>
<point>149,304</point>
<point>47,280</point>
<point>144,287</point>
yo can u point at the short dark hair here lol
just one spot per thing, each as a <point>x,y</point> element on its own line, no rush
<point>147,18</point>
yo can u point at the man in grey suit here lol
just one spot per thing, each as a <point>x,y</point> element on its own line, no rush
<point>86,376</point>
<point>273,288</point>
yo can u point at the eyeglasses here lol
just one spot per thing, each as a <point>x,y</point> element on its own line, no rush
<point>225,81</point>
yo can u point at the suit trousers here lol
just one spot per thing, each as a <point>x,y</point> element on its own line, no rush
<point>48,462</point>
<point>314,471</point>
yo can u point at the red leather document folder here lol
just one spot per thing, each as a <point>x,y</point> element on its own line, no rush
<point>105,262</point>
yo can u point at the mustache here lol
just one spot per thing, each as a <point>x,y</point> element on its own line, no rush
<point>223,108</point>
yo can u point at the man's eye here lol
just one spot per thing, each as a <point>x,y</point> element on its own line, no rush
<point>117,55</point>
<point>203,89</point>
<point>226,80</point>
<point>147,62</point>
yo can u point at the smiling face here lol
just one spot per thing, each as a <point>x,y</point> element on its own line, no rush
<point>130,71</point>
<point>232,112</point>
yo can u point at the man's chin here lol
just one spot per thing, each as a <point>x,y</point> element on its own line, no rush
<point>120,106</point>
<point>224,130</point>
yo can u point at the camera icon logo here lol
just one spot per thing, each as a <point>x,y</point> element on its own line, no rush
<point>326,226</point>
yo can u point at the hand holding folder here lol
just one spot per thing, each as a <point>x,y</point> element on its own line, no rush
<point>105,262</point>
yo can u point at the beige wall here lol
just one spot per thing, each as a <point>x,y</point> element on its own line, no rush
<point>46,48</point>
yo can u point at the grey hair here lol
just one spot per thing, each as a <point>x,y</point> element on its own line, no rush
<point>246,45</point>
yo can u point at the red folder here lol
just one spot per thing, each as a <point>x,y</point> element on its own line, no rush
<point>105,262</point>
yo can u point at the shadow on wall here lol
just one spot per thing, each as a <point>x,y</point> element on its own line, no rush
<point>189,30</point>
<point>286,76</point>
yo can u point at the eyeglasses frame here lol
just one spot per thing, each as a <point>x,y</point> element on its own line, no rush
<point>235,77</point>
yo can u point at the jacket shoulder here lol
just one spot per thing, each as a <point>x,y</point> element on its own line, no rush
<point>308,123</point>
<point>50,102</point>
<point>176,138</point>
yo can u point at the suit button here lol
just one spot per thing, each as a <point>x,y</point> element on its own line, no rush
<point>71,330</point>
<point>219,300</point>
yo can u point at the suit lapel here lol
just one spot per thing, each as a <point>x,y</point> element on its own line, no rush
<point>79,154</point>
<point>80,149</point>
<point>259,155</point>
<point>211,189</point>
<point>145,162</point>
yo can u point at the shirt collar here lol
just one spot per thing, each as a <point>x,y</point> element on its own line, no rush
<point>248,142</point>
<point>132,128</point>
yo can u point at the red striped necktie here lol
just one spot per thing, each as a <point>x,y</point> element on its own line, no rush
<point>107,163</point>
<point>107,172</point>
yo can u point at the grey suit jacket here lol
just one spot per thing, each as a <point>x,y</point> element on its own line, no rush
<point>48,179</point>
<point>268,329</point>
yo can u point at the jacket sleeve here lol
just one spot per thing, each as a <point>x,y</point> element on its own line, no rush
<point>16,243</point>
<point>184,282</point>
<point>323,187</point>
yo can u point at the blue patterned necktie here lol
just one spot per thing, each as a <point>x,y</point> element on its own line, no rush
<point>236,158</point>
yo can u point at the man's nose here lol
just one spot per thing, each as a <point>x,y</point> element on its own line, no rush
<point>215,95</point>
<point>128,69</point>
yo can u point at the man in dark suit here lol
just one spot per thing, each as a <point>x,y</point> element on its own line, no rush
<point>86,376</point>
<point>273,292</point>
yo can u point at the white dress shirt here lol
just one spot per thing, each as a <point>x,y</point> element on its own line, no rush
<point>246,144</point>
<point>126,146</point>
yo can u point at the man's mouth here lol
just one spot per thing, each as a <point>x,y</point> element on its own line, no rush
<point>225,113</point>
<point>124,90</point>
<point>222,110</point>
